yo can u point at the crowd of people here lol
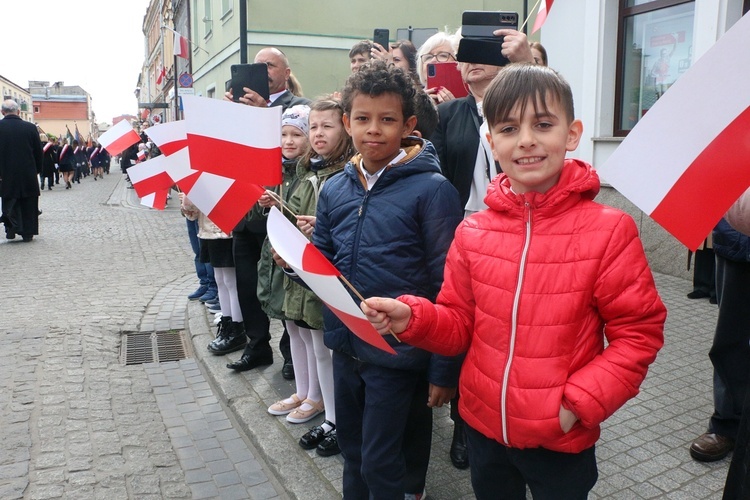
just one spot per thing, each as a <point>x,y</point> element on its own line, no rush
<point>379,177</point>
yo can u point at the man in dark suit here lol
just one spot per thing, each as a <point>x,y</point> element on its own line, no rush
<point>250,232</point>
<point>20,165</point>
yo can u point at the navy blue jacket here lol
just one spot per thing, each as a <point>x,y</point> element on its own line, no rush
<point>731,244</point>
<point>387,242</point>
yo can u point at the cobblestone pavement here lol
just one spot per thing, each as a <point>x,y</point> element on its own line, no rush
<point>74,421</point>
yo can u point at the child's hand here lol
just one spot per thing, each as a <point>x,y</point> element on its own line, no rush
<point>278,260</point>
<point>306,223</point>
<point>567,419</point>
<point>515,45</point>
<point>386,315</point>
<point>439,396</point>
<point>266,200</point>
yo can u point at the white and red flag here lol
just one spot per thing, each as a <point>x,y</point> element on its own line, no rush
<point>150,176</point>
<point>321,276</point>
<point>119,137</point>
<point>541,14</point>
<point>157,200</point>
<point>181,46</point>
<point>233,140</point>
<point>223,200</point>
<point>169,137</point>
<point>141,155</point>
<point>688,159</point>
<point>160,74</point>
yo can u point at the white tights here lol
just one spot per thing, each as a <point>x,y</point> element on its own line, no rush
<point>226,283</point>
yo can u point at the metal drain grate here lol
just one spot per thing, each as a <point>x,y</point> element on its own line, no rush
<point>154,347</point>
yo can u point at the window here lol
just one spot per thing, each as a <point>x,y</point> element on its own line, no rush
<point>655,47</point>
<point>207,17</point>
<point>226,7</point>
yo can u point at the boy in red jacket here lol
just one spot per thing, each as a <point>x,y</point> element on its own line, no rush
<point>532,288</point>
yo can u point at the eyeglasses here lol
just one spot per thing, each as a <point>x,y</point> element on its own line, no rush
<point>440,56</point>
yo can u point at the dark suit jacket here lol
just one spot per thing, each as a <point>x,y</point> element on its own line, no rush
<point>456,140</point>
<point>20,158</point>
<point>254,221</point>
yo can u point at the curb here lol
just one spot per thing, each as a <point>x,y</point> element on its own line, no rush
<point>243,394</point>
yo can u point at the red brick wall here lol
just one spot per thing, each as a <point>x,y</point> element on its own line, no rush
<point>55,110</point>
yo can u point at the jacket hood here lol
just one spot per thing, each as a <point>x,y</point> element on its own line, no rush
<point>578,180</point>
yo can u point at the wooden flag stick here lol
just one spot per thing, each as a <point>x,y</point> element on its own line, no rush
<point>533,9</point>
<point>281,203</point>
<point>359,296</point>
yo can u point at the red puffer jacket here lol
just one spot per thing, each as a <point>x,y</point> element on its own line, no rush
<point>532,288</point>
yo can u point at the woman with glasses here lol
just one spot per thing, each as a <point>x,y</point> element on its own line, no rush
<point>440,47</point>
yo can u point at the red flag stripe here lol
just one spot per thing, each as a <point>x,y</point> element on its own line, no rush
<point>172,147</point>
<point>121,143</point>
<point>363,329</point>
<point>152,184</point>
<point>727,158</point>
<point>236,161</point>
<point>315,262</point>
<point>235,203</point>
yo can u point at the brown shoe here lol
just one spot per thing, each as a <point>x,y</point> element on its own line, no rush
<point>711,447</point>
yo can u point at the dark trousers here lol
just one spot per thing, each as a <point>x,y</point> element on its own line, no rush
<point>21,215</point>
<point>204,271</point>
<point>50,180</point>
<point>375,408</point>
<point>704,272</point>
<point>501,472</point>
<point>247,250</point>
<point>730,351</point>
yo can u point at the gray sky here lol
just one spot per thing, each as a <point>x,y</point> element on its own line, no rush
<point>95,44</point>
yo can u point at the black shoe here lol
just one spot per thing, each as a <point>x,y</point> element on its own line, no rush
<point>28,238</point>
<point>459,453</point>
<point>712,300</point>
<point>287,371</point>
<point>697,294</point>
<point>329,446</point>
<point>251,359</point>
<point>229,341</point>
<point>10,235</point>
<point>312,438</point>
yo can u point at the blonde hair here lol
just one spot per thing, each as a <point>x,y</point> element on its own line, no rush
<point>293,85</point>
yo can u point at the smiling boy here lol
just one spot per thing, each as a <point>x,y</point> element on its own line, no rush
<point>533,287</point>
<point>386,224</point>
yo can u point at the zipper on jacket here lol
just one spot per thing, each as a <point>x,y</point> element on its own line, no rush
<point>514,322</point>
<point>358,233</point>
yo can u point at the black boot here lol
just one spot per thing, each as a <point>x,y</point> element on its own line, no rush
<point>459,453</point>
<point>232,338</point>
<point>224,325</point>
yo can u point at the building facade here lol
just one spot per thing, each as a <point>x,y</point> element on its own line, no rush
<point>59,108</point>
<point>19,94</point>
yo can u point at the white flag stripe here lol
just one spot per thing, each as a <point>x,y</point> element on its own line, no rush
<point>178,164</point>
<point>146,169</point>
<point>229,121</point>
<point>208,190</point>
<point>331,290</point>
<point>683,121</point>
<point>167,132</point>
<point>149,200</point>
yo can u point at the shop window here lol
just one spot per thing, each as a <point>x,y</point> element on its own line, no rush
<point>655,47</point>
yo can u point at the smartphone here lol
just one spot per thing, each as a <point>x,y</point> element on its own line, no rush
<point>253,76</point>
<point>446,74</point>
<point>482,23</point>
<point>381,36</point>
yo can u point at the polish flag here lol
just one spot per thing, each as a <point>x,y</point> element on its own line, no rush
<point>321,276</point>
<point>223,200</point>
<point>181,46</point>
<point>688,159</point>
<point>541,15</point>
<point>157,200</point>
<point>234,140</point>
<point>160,75</point>
<point>119,137</point>
<point>169,137</point>
<point>141,155</point>
<point>150,176</point>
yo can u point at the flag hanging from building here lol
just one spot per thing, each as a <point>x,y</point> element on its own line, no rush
<point>688,159</point>
<point>181,46</point>
<point>160,74</point>
<point>119,137</point>
<point>321,276</point>
<point>541,14</point>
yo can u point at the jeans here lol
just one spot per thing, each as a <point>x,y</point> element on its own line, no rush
<point>204,271</point>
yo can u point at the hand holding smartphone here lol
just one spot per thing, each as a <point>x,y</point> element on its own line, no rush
<point>447,75</point>
<point>381,36</point>
<point>253,76</point>
<point>478,44</point>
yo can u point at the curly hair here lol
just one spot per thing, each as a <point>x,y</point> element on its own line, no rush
<point>376,78</point>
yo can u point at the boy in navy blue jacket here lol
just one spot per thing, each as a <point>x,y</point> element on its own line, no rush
<point>386,224</point>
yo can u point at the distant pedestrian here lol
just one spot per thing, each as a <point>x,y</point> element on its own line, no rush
<point>49,160</point>
<point>66,161</point>
<point>20,164</point>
